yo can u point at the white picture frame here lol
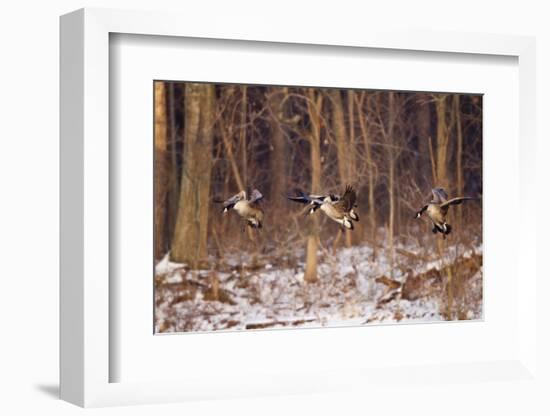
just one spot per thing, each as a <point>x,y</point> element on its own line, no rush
<point>85,353</point>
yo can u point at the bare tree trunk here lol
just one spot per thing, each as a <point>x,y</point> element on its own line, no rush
<point>342,143</point>
<point>400,203</point>
<point>278,142</point>
<point>424,131</point>
<point>391,179</point>
<point>357,235</point>
<point>174,183</point>
<point>226,135</point>
<point>459,140</point>
<point>161,164</point>
<point>341,138</point>
<point>189,244</point>
<point>231,156</point>
<point>315,102</point>
<point>442,141</point>
<point>442,178</point>
<point>242,138</point>
<point>433,163</point>
<point>370,169</point>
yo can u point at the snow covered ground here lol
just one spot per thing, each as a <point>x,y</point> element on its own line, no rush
<point>253,293</point>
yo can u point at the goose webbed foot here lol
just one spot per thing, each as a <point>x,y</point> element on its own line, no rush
<point>347,224</point>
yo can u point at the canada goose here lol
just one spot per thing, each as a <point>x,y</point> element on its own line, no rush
<point>248,208</point>
<point>338,208</point>
<point>437,210</point>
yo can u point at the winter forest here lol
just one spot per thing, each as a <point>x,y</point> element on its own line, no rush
<point>337,224</point>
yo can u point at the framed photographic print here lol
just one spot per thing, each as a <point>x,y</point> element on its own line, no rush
<point>243,214</point>
<point>242,172</point>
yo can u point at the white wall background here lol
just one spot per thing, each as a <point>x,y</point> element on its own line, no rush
<point>29,205</point>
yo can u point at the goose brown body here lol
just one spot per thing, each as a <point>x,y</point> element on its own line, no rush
<point>247,207</point>
<point>252,212</point>
<point>338,208</point>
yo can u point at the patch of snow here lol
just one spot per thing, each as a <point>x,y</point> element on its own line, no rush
<point>270,296</point>
<point>165,266</point>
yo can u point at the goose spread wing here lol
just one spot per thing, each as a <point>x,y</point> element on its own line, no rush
<point>347,201</point>
<point>255,196</point>
<point>304,198</point>
<point>439,195</point>
<point>456,201</point>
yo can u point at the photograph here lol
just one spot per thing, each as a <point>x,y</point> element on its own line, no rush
<point>283,207</point>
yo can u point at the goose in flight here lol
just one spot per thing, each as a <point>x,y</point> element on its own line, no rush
<point>247,207</point>
<point>338,208</point>
<point>437,210</point>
